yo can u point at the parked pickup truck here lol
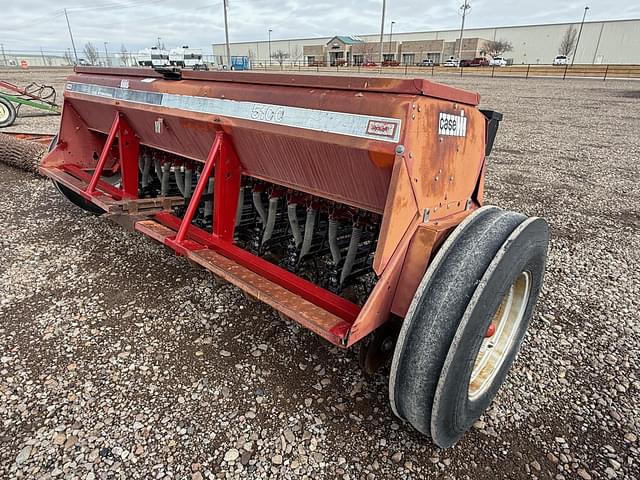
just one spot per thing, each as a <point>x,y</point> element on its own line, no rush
<point>476,62</point>
<point>427,62</point>
<point>498,62</point>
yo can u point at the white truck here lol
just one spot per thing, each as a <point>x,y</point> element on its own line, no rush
<point>497,62</point>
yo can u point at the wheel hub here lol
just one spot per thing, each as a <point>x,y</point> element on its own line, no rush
<point>500,335</point>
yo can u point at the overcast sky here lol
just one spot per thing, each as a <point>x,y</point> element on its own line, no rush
<point>35,24</point>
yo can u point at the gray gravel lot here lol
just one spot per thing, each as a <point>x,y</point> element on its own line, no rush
<point>120,360</point>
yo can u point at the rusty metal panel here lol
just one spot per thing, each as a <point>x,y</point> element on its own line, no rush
<point>400,210</point>
<point>380,84</point>
<point>444,168</point>
<point>306,313</point>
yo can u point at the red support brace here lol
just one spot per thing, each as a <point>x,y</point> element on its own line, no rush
<point>200,188</point>
<point>104,155</point>
<point>128,147</point>
<point>226,192</point>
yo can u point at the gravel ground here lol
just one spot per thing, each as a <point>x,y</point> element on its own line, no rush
<point>120,360</point>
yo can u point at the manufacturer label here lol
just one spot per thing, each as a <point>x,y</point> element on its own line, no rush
<point>452,125</point>
<point>382,129</point>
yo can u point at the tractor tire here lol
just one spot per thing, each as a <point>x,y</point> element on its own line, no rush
<point>467,321</point>
<point>7,113</point>
<point>72,196</point>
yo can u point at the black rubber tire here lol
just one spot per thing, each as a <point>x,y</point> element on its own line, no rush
<point>453,411</point>
<point>72,196</point>
<point>434,317</point>
<point>9,113</point>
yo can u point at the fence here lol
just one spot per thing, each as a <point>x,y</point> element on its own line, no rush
<point>595,71</point>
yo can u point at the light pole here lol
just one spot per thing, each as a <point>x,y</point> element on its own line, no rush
<point>573,59</point>
<point>106,55</point>
<point>384,7</point>
<point>226,33</point>
<point>75,53</point>
<point>390,37</point>
<point>270,46</point>
<point>464,9</point>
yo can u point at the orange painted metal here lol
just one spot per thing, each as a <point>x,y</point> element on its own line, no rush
<point>423,183</point>
<point>424,244</point>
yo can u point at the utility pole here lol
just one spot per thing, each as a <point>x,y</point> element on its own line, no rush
<point>270,46</point>
<point>573,59</point>
<point>384,7</point>
<point>75,53</point>
<point>106,55</point>
<point>463,9</point>
<point>390,37</point>
<point>226,33</point>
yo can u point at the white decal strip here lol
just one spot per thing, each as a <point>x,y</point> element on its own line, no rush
<point>352,124</point>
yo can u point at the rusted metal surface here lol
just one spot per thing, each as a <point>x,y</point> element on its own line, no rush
<point>411,86</point>
<point>293,306</point>
<point>424,244</point>
<point>329,326</point>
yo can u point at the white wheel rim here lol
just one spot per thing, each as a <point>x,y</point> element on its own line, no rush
<point>497,347</point>
<point>4,112</point>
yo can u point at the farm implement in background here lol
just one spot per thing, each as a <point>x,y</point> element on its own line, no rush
<point>12,98</point>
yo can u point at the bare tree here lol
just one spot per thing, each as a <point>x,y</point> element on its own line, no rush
<point>280,56</point>
<point>495,48</point>
<point>296,54</point>
<point>568,41</point>
<point>124,55</point>
<point>368,50</point>
<point>91,52</point>
<point>68,57</point>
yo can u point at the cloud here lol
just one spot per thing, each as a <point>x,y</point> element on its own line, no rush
<point>29,25</point>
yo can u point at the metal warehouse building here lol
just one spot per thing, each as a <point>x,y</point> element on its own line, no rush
<point>612,42</point>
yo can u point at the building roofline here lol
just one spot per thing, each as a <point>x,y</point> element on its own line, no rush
<point>435,31</point>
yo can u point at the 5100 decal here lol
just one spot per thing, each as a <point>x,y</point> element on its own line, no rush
<point>267,113</point>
